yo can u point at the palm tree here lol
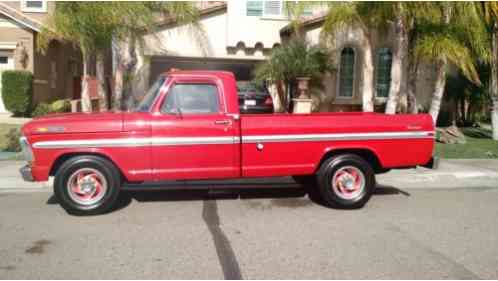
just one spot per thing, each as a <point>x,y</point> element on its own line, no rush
<point>349,14</point>
<point>490,10</point>
<point>136,19</point>
<point>456,36</point>
<point>93,26</point>
<point>88,26</point>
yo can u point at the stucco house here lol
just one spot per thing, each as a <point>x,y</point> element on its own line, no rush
<point>342,89</point>
<point>231,35</point>
<point>236,35</point>
<point>56,73</point>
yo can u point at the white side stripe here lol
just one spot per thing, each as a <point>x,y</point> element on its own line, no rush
<point>157,141</point>
<point>136,142</point>
<point>336,137</point>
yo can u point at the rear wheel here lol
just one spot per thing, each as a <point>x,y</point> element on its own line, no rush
<point>346,181</point>
<point>87,185</point>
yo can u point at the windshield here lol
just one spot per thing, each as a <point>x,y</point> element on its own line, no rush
<point>148,99</point>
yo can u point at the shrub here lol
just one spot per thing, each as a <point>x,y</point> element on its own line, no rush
<point>12,140</point>
<point>17,91</point>
<point>58,106</point>
<point>41,109</point>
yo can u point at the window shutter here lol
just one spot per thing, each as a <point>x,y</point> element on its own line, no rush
<point>273,8</point>
<point>34,4</point>
<point>254,8</point>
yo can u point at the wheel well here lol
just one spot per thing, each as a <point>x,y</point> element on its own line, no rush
<point>64,157</point>
<point>366,154</point>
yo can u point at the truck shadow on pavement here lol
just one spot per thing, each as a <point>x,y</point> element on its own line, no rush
<point>289,196</point>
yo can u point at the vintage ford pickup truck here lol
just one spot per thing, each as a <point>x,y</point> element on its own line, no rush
<point>188,127</point>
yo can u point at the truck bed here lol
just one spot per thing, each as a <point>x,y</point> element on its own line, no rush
<point>310,136</point>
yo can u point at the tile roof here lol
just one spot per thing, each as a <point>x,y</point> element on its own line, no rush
<point>20,18</point>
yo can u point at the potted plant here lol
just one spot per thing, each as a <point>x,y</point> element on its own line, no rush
<point>295,64</point>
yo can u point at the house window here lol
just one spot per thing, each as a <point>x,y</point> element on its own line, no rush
<point>4,60</point>
<point>267,9</point>
<point>254,8</point>
<point>34,6</point>
<point>346,73</point>
<point>383,72</point>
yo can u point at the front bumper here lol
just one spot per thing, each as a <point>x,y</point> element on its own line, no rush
<point>26,173</point>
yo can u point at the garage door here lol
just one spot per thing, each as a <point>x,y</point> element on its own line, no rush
<point>6,63</point>
<point>243,69</point>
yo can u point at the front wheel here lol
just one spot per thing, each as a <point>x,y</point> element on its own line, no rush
<point>87,185</point>
<point>346,181</point>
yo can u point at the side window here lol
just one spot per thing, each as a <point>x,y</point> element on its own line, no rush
<point>192,99</point>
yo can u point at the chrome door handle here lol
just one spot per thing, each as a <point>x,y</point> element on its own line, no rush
<point>223,122</point>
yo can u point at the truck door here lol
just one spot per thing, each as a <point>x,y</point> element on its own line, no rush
<point>192,136</point>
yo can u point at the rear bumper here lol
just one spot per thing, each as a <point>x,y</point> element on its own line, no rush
<point>26,173</point>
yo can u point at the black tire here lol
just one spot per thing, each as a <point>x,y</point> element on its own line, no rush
<point>104,167</point>
<point>331,196</point>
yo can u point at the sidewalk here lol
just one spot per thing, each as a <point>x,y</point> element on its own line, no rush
<point>5,118</point>
<point>452,173</point>
<point>462,173</point>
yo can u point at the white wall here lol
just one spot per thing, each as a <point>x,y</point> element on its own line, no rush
<point>251,29</point>
<point>208,40</point>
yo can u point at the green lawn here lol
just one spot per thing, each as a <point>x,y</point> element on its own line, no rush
<point>479,145</point>
<point>4,129</point>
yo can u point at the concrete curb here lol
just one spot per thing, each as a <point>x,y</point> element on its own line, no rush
<point>468,173</point>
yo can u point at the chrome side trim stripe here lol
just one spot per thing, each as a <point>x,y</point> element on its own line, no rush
<point>137,142</point>
<point>339,137</point>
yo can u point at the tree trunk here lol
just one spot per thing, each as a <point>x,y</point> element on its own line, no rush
<point>282,96</point>
<point>86,103</point>
<point>368,76</point>
<point>437,96</point>
<point>397,69</point>
<point>412,106</point>
<point>101,88</point>
<point>493,83</point>
<point>125,60</point>
<point>462,110</point>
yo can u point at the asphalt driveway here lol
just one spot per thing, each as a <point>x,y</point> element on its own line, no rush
<point>254,234</point>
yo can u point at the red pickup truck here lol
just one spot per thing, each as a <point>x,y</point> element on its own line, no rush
<point>188,127</point>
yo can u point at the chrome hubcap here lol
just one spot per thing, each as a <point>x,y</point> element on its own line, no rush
<point>86,186</point>
<point>348,182</point>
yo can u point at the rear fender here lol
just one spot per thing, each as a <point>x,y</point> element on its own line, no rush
<point>366,152</point>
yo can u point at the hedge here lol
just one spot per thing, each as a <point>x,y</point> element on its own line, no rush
<point>17,91</point>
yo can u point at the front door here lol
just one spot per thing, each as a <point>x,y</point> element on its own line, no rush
<point>192,137</point>
<point>6,63</point>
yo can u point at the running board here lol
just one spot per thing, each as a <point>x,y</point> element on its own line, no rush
<point>280,182</point>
